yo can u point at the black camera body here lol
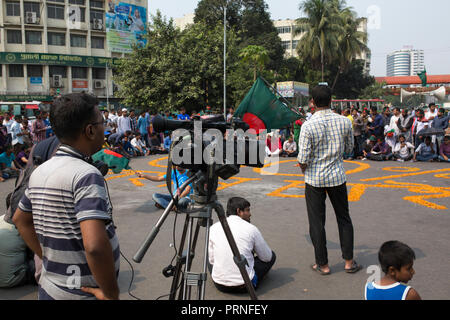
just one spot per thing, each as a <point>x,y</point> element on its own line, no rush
<point>220,144</point>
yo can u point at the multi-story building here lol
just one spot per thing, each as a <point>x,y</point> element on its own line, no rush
<point>56,46</point>
<point>405,62</point>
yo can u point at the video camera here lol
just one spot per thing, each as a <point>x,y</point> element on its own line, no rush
<point>199,143</point>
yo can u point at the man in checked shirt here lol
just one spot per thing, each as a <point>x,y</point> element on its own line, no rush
<point>323,141</point>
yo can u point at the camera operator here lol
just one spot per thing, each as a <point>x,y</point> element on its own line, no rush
<point>179,176</point>
<point>249,240</point>
<point>65,216</point>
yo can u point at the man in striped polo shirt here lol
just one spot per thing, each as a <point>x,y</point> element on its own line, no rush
<point>65,216</point>
<point>323,141</point>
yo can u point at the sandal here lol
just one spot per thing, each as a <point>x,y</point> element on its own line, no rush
<point>158,206</point>
<point>355,268</point>
<point>319,270</point>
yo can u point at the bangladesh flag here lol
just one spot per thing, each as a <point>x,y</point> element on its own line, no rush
<point>116,162</point>
<point>423,77</point>
<point>262,110</point>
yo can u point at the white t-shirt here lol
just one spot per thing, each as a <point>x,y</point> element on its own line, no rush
<point>8,124</point>
<point>137,143</point>
<point>123,124</point>
<point>393,124</point>
<point>16,128</point>
<point>405,151</point>
<point>430,114</point>
<point>290,146</point>
<point>248,240</point>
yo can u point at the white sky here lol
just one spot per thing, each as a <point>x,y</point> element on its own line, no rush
<point>393,24</point>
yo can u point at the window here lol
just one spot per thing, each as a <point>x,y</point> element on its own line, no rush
<point>284,29</point>
<point>55,11</point>
<point>57,70</point>
<point>97,43</point>
<point>95,14</point>
<point>79,73</point>
<point>16,70</point>
<point>99,73</point>
<point>32,7</point>
<point>13,9</point>
<point>60,1</point>
<point>78,41</point>
<point>79,2</point>
<point>56,39</point>
<point>34,71</point>
<point>96,4</point>
<point>33,37</point>
<point>14,36</point>
<point>294,44</point>
<point>286,45</point>
<point>72,14</point>
<point>1,70</point>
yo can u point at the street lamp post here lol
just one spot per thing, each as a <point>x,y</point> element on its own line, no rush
<point>321,53</point>
<point>225,61</point>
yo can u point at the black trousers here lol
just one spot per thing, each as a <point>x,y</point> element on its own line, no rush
<point>315,204</point>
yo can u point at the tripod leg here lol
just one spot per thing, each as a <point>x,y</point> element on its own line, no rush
<point>186,289</point>
<point>238,259</point>
<point>179,265</point>
<point>201,291</point>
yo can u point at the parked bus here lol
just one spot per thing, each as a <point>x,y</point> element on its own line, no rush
<point>28,109</point>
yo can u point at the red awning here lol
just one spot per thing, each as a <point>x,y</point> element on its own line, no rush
<point>32,106</point>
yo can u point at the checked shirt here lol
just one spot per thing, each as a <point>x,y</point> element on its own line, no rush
<point>323,141</point>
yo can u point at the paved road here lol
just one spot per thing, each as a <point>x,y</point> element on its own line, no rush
<point>389,201</point>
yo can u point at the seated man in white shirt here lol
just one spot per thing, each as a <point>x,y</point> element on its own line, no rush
<point>251,244</point>
<point>139,145</point>
<point>403,150</point>
<point>289,148</point>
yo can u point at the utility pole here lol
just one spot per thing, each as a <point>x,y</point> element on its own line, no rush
<point>107,88</point>
<point>225,61</point>
<point>321,53</point>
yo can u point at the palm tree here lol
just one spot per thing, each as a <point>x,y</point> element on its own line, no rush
<point>352,42</point>
<point>321,27</point>
<point>256,56</point>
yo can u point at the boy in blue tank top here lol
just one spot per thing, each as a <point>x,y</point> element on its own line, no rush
<point>396,260</point>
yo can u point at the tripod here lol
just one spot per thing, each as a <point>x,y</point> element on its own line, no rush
<point>201,210</point>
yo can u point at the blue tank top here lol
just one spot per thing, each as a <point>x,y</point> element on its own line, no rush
<point>396,291</point>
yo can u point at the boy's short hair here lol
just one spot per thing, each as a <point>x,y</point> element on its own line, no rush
<point>236,203</point>
<point>395,254</point>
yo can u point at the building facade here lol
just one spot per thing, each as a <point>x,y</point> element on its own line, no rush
<point>405,62</point>
<point>50,47</point>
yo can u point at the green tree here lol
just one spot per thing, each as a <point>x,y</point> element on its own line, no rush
<point>256,57</point>
<point>352,42</point>
<point>177,69</point>
<point>374,91</point>
<point>147,78</point>
<point>321,27</point>
<point>211,12</point>
<point>258,29</point>
<point>353,81</point>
